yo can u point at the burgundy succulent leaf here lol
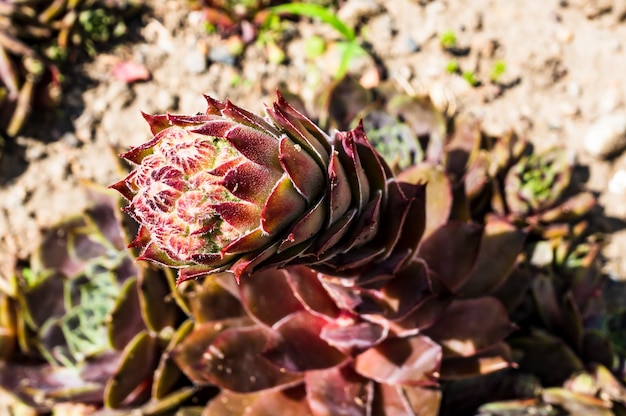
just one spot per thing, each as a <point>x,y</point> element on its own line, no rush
<point>290,402</point>
<point>401,361</point>
<point>393,400</point>
<point>295,344</point>
<point>494,358</point>
<point>422,316</point>
<point>451,252</point>
<point>410,287</point>
<point>268,297</point>
<point>339,391</point>
<point>500,247</point>
<point>438,193</point>
<point>546,298</point>
<point>309,290</point>
<point>230,357</point>
<point>229,190</point>
<point>352,336</point>
<point>469,326</point>
<point>209,300</point>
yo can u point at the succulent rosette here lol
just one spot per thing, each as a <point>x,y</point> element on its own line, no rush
<point>229,190</point>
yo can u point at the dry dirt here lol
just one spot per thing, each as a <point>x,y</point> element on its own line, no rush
<point>565,63</point>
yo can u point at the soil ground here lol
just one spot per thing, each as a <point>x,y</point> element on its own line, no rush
<point>564,78</point>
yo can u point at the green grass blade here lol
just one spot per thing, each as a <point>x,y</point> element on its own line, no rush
<point>318,12</point>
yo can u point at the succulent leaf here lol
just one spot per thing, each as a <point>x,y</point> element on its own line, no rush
<point>338,391</point>
<point>401,361</point>
<point>229,355</point>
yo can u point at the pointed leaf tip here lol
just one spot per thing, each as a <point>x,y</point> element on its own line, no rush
<point>214,106</point>
<point>123,188</point>
<point>157,122</point>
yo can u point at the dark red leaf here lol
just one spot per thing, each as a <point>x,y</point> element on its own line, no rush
<point>500,247</point>
<point>288,402</point>
<point>353,337</point>
<point>296,345</point>
<point>268,297</point>
<point>306,175</point>
<point>406,361</point>
<point>495,358</point>
<point>438,193</point>
<point>282,207</point>
<point>338,391</point>
<point>229,356</point>
<point>451,252</point>
<point>467,327</point>
<point>308,289</point>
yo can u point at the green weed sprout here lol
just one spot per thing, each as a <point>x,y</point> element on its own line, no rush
<point>452,66</point>
<point>470,77</point>
<point>448,39</point>
<point>350,47</point>
<point>497,70</point>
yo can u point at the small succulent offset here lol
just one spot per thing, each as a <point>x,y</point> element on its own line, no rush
<point>82,329</point>
<point>60,306</point>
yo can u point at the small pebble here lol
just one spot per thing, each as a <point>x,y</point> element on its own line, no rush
<point>554,124</point>
<point>564,34</point>
<point>569,109</point>
<point>573,89</point>
<point>164,101</point>
<point>117,95</point>
<point>617,184</point>
<point>70,139</point>
<point>370,78</point>
<point>221,54</point>
<point>610,101</point>
<point>410,45</point>
<point>195,62</point>
<point>607,136</point>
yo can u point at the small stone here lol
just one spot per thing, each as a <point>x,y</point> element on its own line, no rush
<point>195,62</point>
<point>370,78</point>
<point>221,54</point>
<point>573,89</point>
<point>35,152</point>
<point>554,124</point>
<point>542,254</point>
<point>564,34</point>
<point>118,95</point>
<point>570,109</point>
<point>409,45</point>
<point>84,126</point>
<point>163,101</point>
<point>617,184</point>
<point>70,139</point>
<point>610,101</point>
<point>607,136</point>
